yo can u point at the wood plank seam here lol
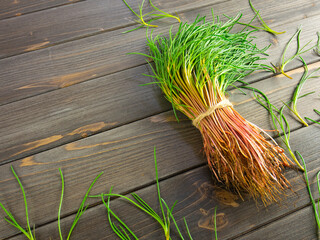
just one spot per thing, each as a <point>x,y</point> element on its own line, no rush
<point>43,9</point>
<point>79,137</point>
<point>118,126</point>
<point>133,24</point>
<point>273,220</point>
<point>76,138</point>
<point>89,79</point>
<point>153,183</point>
<point>125,193</point>
<point>258,79</point>
<point>129,191</point>
<point>92,70</point>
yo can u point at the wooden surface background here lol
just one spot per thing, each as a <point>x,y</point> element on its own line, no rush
<point>71,98</point>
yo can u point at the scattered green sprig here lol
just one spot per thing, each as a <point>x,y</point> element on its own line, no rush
<point>215,224</point>
<point>27,232</point>
<point>264,27</point>
<point>11,220</point>
<point>314,121</point>
<point>315,206</point>
<point>124,232</point>
<point>81,209</point>
<point>317,48</point>
<point>161,14</point>
<point>298,89</point>
<point>300,50</point>
<point>278,120</point>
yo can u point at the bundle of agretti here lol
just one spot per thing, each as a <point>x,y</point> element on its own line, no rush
<point>193,68</point>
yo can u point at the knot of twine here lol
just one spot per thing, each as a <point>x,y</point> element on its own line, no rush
<point>222,104</point>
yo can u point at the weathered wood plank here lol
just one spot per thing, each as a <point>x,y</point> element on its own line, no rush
<point>58,117</point>
<point>197,197</point>
<point>55,25</point>
<point>12,8</point>
<point>66,64</point>
<point>52,119</point>
<point>122,153</point>
<point>125,155</point>
<point>49,26</point>
<point>299,225</point>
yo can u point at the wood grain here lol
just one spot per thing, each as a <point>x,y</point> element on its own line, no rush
<point>197,197</point>
<point>55,25</point>
<point>52,119</point>
<point>15,8</point>
<point>77,61</point>
<point>71,98</point>
<point>121,152</point>
<point>125,154</point>
<point>58,117</point>
<point>46,28</point>
<point>302,222</point>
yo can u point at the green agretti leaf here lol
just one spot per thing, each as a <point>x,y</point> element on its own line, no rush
<point>11,220</point>
<point>156,16</point>
<point>298,53</point>
<point>264,27</point>
<point>298,89</point>
<point>314,205</point>
<point>164,219</point>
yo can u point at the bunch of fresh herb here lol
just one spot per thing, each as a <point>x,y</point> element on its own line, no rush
<point>193,68</point>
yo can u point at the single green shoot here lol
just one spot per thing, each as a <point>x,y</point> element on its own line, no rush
<point>188,231</point>
<point>264,27</point>
<point>155,14</point>
<point>164,14</point>
<point>300,50</point>
<point>314,205</point>
<point>278,120</point>
<point>298,89</point>
<point>27,232</point>
<point>314,121</point>
<point>140,15</point>
<point>215,224</point>
<point>60,204</point>
<point>81,209</point>
<point>11,220</point>
<point>317,48</point>
<point>124,232</point>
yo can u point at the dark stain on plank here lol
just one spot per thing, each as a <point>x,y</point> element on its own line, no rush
<point>208,219</point>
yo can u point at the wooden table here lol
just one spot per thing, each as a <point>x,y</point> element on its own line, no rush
<point>71,98</point>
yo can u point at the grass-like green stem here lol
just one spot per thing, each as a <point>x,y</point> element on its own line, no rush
<point>314,205</point>
<point>298,89</point>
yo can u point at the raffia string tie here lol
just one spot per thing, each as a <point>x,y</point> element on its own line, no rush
<point>222,104</point>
